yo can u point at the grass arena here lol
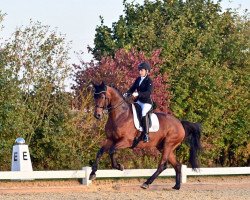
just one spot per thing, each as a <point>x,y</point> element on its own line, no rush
<point>213,187</point>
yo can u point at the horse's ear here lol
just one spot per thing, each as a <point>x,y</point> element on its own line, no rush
<point>104,86</point>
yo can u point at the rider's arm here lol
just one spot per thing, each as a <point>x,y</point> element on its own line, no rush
<point>133,87</point>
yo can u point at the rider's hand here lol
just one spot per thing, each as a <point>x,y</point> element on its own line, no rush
<point>135,94</point>
<point>125,95</point>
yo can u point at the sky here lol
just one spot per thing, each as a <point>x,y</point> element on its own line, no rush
<point>77,19</point>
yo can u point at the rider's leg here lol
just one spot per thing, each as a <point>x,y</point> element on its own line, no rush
<point>145,122</point>
<point>145,127</point>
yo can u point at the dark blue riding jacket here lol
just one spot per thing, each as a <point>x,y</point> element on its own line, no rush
<point>144,90</point>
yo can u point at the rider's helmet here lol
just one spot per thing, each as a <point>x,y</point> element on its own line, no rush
<point>144,65</point>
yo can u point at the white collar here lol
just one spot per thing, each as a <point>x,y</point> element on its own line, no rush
<point>142,78</point>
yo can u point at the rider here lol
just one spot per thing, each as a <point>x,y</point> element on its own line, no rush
<point>141,90</point>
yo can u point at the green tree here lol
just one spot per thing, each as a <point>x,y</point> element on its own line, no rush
<point>206,53</point>
<point>33,103</point>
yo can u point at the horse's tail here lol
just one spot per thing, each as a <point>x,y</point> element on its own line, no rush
<point>193,135</point>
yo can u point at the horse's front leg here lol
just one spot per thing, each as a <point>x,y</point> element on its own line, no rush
<point>99,154</point>
<point>123,143</point>
<point>114,163</point>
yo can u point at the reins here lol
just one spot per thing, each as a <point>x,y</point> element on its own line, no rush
<point>114,107</point>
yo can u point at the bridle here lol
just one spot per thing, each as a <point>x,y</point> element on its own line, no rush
<point>107,108</point>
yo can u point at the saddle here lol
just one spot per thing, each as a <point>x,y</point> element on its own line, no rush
<point>153,119</point>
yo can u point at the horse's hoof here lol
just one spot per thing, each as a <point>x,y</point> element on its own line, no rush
<point>176,187</point>
<point>120,167</point>
<point>145,186</point>
<point>92,177</point>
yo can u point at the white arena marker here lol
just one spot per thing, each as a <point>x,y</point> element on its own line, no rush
<point>21,157</point>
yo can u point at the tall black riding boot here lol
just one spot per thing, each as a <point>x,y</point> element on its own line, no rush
<point>145,127</point>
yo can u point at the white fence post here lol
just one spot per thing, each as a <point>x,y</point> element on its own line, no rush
<point>183,173</point>
<point>86,181</point>
<point>21,158</point>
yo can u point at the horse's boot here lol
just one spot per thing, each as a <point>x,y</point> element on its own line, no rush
<point>145,127</point>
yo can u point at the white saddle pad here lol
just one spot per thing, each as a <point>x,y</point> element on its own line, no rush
<point>155,122</point>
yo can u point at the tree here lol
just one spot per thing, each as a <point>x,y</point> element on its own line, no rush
<point>34,104</point>
<point>121,71</point>
<point>206,53</point>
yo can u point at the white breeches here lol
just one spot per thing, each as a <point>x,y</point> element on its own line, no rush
<point>145,107</point>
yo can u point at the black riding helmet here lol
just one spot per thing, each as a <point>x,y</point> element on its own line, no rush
<point>144,65</point>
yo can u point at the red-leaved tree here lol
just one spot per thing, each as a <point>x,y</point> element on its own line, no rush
<point>121,71</point>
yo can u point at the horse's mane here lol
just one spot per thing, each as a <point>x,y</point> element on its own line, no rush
<point>117,90</point>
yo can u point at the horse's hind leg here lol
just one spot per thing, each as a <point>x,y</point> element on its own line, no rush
<point>99,154</point>
<point>162,166</point>
<point>177,166</point>
<point>160,169</point>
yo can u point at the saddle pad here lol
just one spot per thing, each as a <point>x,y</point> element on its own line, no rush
<point>155,122</point>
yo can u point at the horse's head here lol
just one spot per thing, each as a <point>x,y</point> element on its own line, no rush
<point>107,99</point>
<point>101,100</point>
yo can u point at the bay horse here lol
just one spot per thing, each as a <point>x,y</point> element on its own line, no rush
<point>121,132</point>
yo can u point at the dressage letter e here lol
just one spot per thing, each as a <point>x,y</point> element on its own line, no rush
<point>25,155</point>
<point>15,156</point>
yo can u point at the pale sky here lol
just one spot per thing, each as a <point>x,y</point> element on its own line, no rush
<point>77,19</point>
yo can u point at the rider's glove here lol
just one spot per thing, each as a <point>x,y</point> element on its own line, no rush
<point>135,94</point>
